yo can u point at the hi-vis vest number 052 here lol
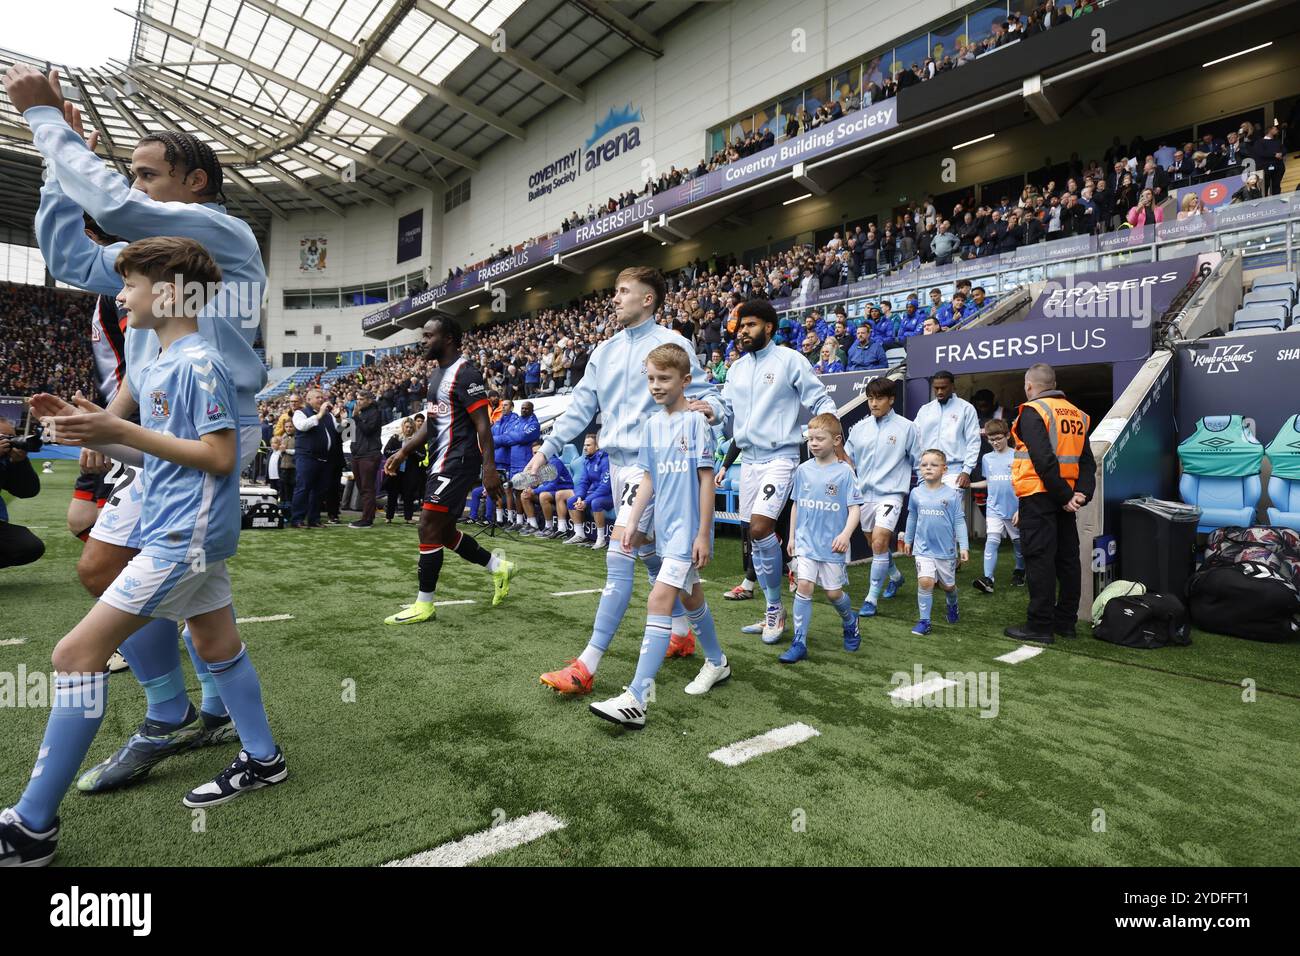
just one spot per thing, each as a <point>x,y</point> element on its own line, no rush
<point>1067,430</point>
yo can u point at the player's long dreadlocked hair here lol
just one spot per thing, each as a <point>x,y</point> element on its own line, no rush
<point>193,153</point>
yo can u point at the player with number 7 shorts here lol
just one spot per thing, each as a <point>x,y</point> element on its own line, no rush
<point>766,391</point>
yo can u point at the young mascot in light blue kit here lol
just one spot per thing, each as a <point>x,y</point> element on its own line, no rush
<point>1002,508</point>
<point>676,461</point>
<point>936,536</point>
<point>826,506</point>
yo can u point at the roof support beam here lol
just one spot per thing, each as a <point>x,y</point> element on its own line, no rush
<point>369,49</point>
<point>642,39</point>
<point>520,62</point>
<point>23,134</point>
<point>95,118</point>
<point>413,139</point>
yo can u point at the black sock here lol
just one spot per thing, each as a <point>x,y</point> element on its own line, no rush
<point>430,565</point>
<point>469,549</point>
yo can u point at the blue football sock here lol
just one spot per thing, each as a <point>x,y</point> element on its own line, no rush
<point>242,691</point>
<point>1020,557</point>
<point>767,566</point>
<point>894,573</point>
<point>650,558</point>
<point>614,599</point>
<point>991,554</point>
<point>802,617</point>
<point>212,703</point>
<point>879,572</point>
<point>155,659</point>
<point>845,606</point>
<point>79,702</point>
<point>925,600</point>
<point>658,631</point>
<point>702,620</point>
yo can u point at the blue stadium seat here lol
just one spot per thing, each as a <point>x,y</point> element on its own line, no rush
<point>896,356</point>
<point>1261,315</point>
<point>1223,502</point>
<point>1279,294</point>
<point>1285,280</point>
<point>1284,502</point>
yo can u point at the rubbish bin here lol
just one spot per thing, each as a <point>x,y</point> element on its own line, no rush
<point>1157,543</point>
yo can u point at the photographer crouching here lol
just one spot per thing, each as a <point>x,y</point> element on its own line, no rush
<point>17,545</point>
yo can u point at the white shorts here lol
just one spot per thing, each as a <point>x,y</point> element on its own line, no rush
<point>680,574</point>
<point>996,524</point>
<point>119,520</point>
<point>881,513</point>
<point>624,481</point>
<point>153,587</point>
<point>830,575</point>
<point>950,479</point>
<point>943,570</point>
<point>765,486</point>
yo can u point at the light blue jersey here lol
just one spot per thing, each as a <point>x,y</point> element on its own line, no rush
<point>823,495</point>
<point>674,449</point>
<point>615,387</point>
<point>186,392</point>
<point>954,428</point>
<point>79,180</point>
<point>884,452</point>
<point>936,522</point>
<point>764,393</point>
<point>1002,499</point>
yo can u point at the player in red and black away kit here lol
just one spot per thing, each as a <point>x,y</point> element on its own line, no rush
<point>459,434</point>
<point>107,345</point>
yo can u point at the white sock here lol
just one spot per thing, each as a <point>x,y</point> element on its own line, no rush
<point>600,535</point>
<point>510,516</point>
<point>562,525</point>
<point>590,658</point>
<point>534,522</point>
<point>424,597</point>
<point>681,626</point>
<point>747,585</point>
<point>494,563</point>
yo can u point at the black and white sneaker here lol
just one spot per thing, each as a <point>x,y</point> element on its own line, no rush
<point>20,846</point>
<point>984,583</point>
<point>240,777</point>
<point>624,709</point>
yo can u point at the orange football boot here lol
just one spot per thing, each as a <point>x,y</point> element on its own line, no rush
<point>681,645</point>
<point>574,678</point>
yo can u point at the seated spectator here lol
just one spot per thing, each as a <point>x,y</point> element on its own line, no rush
<point>912,318</point>
<point>1250,190</point>
<point>952,314</point>
<point>829,363</point>
<point>591,494</point>
<point>1191,206</point>
<point>866,351</point>
<point>811,347</point>
<point>1145,212</point>
<point>931,326</point>
<point>544,495</point>
<point>717,370</point>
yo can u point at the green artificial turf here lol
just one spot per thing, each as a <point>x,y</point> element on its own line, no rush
<point>450,725</point>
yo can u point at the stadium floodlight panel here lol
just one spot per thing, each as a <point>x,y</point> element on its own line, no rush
<point>1232,56</point>
<point>977,139</point>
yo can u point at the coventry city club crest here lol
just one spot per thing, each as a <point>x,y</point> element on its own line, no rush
<point>160,407</point>
<point>769,378</point>
<point>832,490</point>
<point>681,444</point>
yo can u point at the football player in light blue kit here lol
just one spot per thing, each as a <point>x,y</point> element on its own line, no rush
<point>676,462</point>
<point>615,386</point>
<point>176,191</point>
<point>1002,509</point>
<point>883,448</point>
<point>826,507</point>
<point>766,391</point>
<point>190,447</point>
<point>936,537</point>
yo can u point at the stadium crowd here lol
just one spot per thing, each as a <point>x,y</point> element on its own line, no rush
<point>45,341</point>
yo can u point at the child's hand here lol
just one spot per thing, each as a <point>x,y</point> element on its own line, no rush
<point>1015,520</point>
<point>904,546</point>
<point>626,543</point>
<point>789,546</point>
<point>700,552</point>
<point>719,477</point>
<point>965,556</point>
<point>841,543</point>
<point>90,424</point>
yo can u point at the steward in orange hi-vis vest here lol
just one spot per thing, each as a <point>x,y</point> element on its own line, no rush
<point>1054,475</point>
<point>1066,430</point>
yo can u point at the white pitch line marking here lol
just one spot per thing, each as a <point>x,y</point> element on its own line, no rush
<point>917,691</point>
<point>13,642</point>
<point>736,754</point>
<point>264,620</point>
<point>572,593</point>
<point>476,846</point>
<point>1021,653</point>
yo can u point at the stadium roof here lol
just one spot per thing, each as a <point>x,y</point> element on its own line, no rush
<point>323,104</point>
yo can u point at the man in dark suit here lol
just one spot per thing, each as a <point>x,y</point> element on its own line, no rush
<point>315,436</point>
<point>367,424</point>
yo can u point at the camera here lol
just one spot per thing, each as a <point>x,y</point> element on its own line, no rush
<point>28,443</point>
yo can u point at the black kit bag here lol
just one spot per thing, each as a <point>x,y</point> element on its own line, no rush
<point>1146,621</point>
<point>1251,599</point>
